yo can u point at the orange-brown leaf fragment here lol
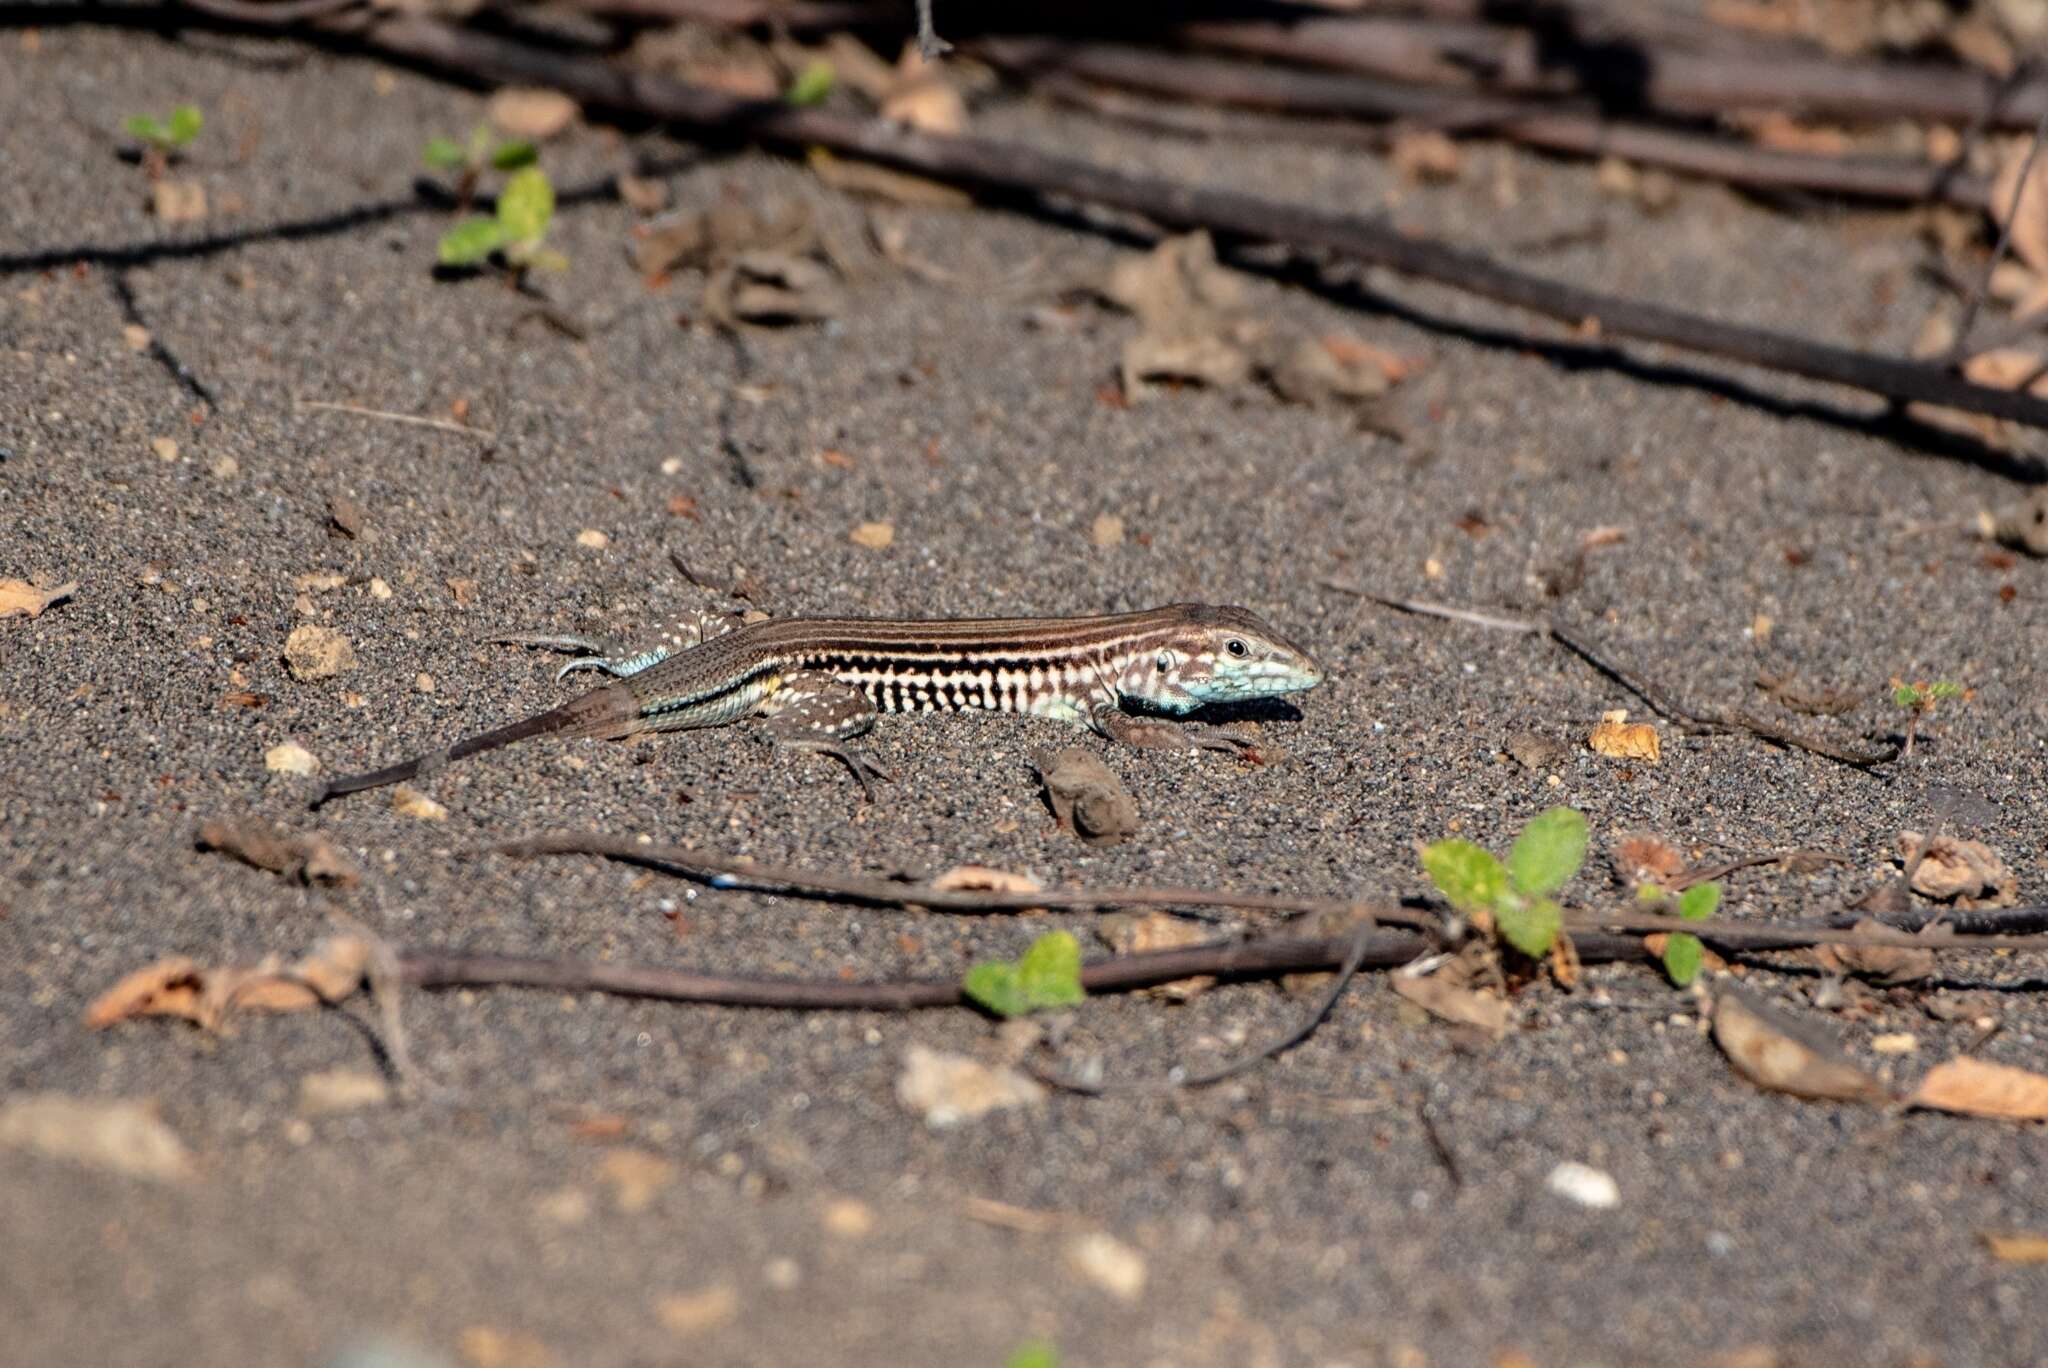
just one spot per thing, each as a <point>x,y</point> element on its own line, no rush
<point>2020,1246</point>
<point>18,598</point>
<point>1648,859</point>
<point>1617,738</point>
<point>1780,1054</point>
<point>170,987</point>
<point>983,879</point>
<point>1968,1086</point>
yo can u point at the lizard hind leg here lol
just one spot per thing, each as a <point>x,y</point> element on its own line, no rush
<point>689,628</point>
<point>815,712</point>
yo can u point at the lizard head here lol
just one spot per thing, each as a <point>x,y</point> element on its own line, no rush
<point>1221,655</point>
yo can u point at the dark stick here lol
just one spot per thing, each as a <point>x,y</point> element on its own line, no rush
<point>1248,85</point>
<point>1014,168</point>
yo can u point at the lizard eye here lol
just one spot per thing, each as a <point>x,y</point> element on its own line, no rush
<point>1236,647</point>
<point>1165,661</point>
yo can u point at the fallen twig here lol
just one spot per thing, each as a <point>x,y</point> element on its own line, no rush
<point>439,424</point>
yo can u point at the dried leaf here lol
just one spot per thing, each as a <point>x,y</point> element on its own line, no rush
<point>644,195</point>
<point>1619,739</point>
<point>1205,360</point>
<point>1177,285</point>
<point>178,201</point>
<point>315,652</point>
<point>1130,933</point>
<point>123,1137</point>
<point>309,857</point>
<point>1087,798</point>
<point>180,987</point>
<point>1109,1263</point>
<point>341,1090</point>
<point>1648,859</point>
<point>1776,1052</point>
<point>19,598</point>
<point>1447,994</point>
<point>1315,373</point>
<point>983,879</point>
<point>1968,1086</point>
<point>530,112</point>
<point>947,1089</point>
<point>772,287</point>
<point>885,183</point>
<point>928,104</point>
<point>1426,155</point>
<point>1888,964</point>
<point>1106,530</point>
<point>2016,1246</point>
<point>2029,225</point>
<point>875,536</point>
<point>2022,524</point>
<point>1951,869</point>
<point>2008,368</point>
<point>410,802</point>
<point>693,1313</point>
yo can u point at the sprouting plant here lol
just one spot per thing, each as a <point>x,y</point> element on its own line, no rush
<point>164,138</point>
<point>1044,976</point>
<point>1516,895</point>
<point>811,85</point>
<point>1683,953</point>
<point>517,232</point>
<point>470,160</point>
<point>1033,1354</point>
<point>1918,700</point>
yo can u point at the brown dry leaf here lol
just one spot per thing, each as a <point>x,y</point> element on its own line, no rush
<point>983,879</point>
<point>1969,873</point>
<point>1426,154</point>
<point>1968,1086</point>
<point>837,459</point>
<point>927,103</point>
<point>1448,995</point>
<point>875,536</point>
<point>1648,859</point>
<point>2008,368</point>
<point>180,987</point>
<point>178,201</point>
<point>1775,128</point>
<point>1131,933</point>
<point>1204,360</point>
<point>308,857</point>
<point>1177,284</point>
<point>1778,1053</point>
<point>315,652</point>
<point>1888,964</point>
<point>1106,530</point>
<point>122,1137</point>
<point>2029,225</point>
<point>2018,1246</point>
<point>692,1313</point>
<point>532,112</point>
<point>1316,373</point>
<point>1087,798</point>
<point>407,801</point>
<point>18,598</point>
<point>1620,739</point>
<point>885,183</point>
<point>772,288</point>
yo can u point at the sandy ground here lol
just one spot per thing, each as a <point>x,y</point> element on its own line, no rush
<point>1299,1215</point>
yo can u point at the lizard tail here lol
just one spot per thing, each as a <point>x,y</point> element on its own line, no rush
<point>607,711</point>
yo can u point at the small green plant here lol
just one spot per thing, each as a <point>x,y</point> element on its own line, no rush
<point>468,161</point>
<point>1918,700</point>
<point>812,85</point>
<point>164,138</point>
<point>1047,975</point>
<point>1517,895</point>
<point>517,232</point>
<point>1033,1354</point>
<point>1683,953</point>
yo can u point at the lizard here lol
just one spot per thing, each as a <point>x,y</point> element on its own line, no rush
<point>820,682</point>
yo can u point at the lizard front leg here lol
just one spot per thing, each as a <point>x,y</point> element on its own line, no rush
<point>1159,733</point>
<point>689,628</point>
<point>814,711</point>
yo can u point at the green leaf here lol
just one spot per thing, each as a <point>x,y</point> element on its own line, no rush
<point>1529,924</point>
<point>1908,695</point>
<point>1034,1354</point>
<point>1649,893</point>
<point>1946,690</point>
<point>1548,852</point>
<point>443,154</point>
<point>1683,955</point>
<point>1700,901</point>
<point>471,242</point>
<point>186,121</point>
<point>1470,877</point>
<point>811,85</point>
<point>145,127</point>
<point>513,155</point>
<point>1046,975</point>
<point>526,205</point>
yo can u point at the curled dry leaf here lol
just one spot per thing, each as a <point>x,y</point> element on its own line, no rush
<point>308,857</point>
<point>773,288</point>
<point>1778,1053</point>
<point>1448,994</point>
<point>1888,964</point>
<point>1968,1086</point>
<point>2008,368</point>
<point>2028,221</point>
<point>1968,873</point>
<point>181,987</point>
<point>1188,359</point>
<point>1648,859</point>
<point>18,598</point>
<point>531,112</point>
<point>1087,798</point>
<point>2016,1246</point>
<point>1620,739</point>
<point>982,879</point>
<point>1130,933</point>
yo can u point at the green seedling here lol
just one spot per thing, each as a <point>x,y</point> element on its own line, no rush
<point>1918,700</point>
<point>162,139</point>
<point>1045,976</point>
<point>517,232</point>
<point>811,85</point>
<point>469,161</point>
<point>1683,953</point>
<point>1516,895</point>
<point>1033,1354</point>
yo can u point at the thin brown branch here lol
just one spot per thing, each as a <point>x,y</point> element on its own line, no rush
<point>1013,168</point>
<point>725,871</point>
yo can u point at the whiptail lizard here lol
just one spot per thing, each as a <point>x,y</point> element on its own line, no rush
<point>821,681</point>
